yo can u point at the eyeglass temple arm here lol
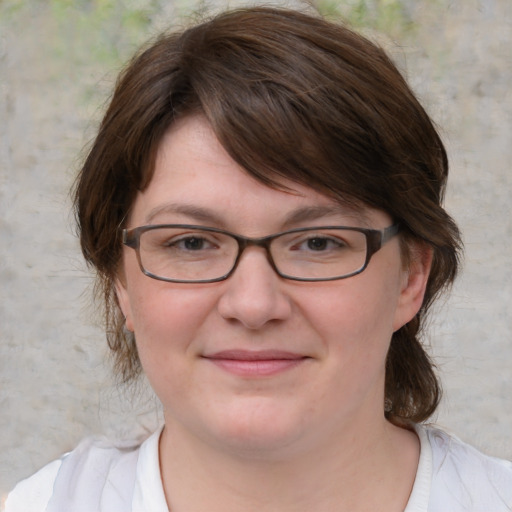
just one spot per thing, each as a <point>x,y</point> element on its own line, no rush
<point>129,238</point>
<point>389,233</point>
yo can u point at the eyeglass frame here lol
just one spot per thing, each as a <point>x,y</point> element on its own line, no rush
<point>375,240</point>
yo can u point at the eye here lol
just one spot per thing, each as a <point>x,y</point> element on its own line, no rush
<point>319,243</point>
<point>190,243</point>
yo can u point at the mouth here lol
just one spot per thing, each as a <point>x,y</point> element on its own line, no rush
<point>265,363</point>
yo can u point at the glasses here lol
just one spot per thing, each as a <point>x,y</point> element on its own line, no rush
<point>180,253</point>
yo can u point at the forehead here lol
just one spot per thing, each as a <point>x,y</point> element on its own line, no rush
<point>195,178</point>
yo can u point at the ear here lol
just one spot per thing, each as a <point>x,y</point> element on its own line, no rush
<point>123,300</point>
<point>414,284</point>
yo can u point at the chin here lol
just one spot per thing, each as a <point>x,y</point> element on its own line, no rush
<point>259,430</point>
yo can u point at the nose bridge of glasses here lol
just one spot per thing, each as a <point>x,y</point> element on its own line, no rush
<point>262,242</point>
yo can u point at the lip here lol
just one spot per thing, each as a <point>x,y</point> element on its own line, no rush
<point>248,363</point>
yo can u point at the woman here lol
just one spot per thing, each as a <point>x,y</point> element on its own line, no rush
<point>262,205</point>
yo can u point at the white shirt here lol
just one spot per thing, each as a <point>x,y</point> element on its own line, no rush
<point>99,477</point>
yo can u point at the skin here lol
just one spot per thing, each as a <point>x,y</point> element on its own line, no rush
<point>311,435</point>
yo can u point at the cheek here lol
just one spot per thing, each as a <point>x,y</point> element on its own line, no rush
<point>354,315</point>
<point>355,324</point>
<point>169,332</point>
<point>167,319</point>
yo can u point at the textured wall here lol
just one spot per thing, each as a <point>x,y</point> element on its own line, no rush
<point>57,65</point>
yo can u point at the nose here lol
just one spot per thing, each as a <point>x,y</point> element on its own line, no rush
<point>253,294</point>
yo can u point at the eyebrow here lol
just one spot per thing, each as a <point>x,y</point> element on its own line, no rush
<point>311,213</point>
<point>197,213</point>
<point>303,214</point>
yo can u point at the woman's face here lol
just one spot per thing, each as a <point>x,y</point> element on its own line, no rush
<point>257,361</point>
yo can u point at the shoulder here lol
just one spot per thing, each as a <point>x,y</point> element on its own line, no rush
<point>465,479</point>
<point>81,475</point>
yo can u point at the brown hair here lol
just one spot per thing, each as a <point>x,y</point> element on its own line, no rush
<point>291,96</point>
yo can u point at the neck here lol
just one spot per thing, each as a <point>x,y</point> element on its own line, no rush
<point>361,469</point>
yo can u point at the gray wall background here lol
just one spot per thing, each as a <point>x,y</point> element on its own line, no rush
<point>58,61</point>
